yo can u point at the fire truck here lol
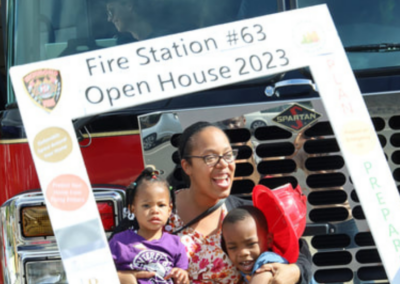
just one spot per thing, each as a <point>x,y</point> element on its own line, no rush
<point>286,138</point>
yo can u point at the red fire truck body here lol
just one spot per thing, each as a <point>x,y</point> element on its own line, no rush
<point>116,146</point>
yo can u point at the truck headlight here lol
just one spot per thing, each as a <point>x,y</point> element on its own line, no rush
<point>47,271</point>
<point>36,221</point>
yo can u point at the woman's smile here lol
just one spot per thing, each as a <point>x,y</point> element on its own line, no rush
<point>223,181</point>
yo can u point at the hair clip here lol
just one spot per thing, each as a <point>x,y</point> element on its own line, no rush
<point>134,184</point>
<point>171,188</point>
<point>157,172</point>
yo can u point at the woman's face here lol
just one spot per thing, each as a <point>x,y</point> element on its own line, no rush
<point>120,14</point>
<point>215,181</point>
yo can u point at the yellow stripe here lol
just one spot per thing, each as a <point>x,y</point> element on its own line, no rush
<point>93,135</point>
<point>116,133</point>
<point>13,141</point>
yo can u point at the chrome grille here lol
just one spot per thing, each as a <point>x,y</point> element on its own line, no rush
<point>342,247</point>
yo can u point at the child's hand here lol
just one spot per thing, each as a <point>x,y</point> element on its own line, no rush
<point>179,275</point>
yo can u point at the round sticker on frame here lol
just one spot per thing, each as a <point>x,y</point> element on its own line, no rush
<point>52,144</point>
<point>67,192</point>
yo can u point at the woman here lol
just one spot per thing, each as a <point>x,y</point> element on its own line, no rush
<point>145,19</point>
<point>208,161</point>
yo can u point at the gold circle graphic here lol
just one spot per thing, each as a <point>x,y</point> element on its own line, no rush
<point>52,144</point>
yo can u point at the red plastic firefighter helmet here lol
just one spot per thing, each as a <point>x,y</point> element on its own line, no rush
<point>285,209</point>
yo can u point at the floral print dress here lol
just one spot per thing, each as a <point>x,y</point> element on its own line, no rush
<point>207,261</point>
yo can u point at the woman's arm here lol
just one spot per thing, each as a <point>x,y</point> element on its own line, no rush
<point>261,278</point>
<point>298,273</point>
<point>285,273</point>
<point>304,263</point>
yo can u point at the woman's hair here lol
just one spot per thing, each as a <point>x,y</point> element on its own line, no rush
<point>239,214</point>
<point>148,176</point>
<point>186,140</point>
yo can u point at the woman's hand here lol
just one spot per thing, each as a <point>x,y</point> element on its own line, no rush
<point>282,273</point>
<point>130,276</point>
<point>262,278</point>
<point>179,275</point>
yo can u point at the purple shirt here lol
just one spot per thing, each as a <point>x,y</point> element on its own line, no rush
<point>132,252</point>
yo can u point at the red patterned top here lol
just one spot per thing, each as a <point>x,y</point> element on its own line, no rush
<point>207,261</point>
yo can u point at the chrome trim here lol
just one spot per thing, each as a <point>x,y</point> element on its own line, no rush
<point>273,90</point>
<point>17,248</point>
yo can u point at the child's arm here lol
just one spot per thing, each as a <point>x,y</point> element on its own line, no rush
<point>130,276</point>
<point>126,277</point>
<point>179,275</point>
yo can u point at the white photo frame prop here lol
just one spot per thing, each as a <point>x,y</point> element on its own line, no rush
<point>52,93</point>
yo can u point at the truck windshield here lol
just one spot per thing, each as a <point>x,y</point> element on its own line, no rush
<point>45,29</point>
<point>370,30</point>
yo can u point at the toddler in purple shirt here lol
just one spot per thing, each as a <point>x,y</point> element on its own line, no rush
<point>148,248</point>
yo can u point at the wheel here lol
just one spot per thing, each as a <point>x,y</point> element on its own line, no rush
<point>149,142</point>
<point>257,123</point>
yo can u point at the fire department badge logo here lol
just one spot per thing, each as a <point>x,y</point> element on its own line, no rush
<point>297,117</point>
<point>44,87</point>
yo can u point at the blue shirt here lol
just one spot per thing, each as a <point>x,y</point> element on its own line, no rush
<point>264,258</point>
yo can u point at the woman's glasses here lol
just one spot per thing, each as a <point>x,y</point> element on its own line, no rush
<point>213,159</point>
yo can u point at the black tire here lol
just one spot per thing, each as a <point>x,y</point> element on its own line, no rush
<point>149,141</point>
<point>257,123</point>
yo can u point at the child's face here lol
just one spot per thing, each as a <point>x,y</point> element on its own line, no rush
<point>244,243</point>
<point>152,207</point>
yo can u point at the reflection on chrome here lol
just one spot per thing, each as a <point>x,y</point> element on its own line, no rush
<point>273,155</point>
